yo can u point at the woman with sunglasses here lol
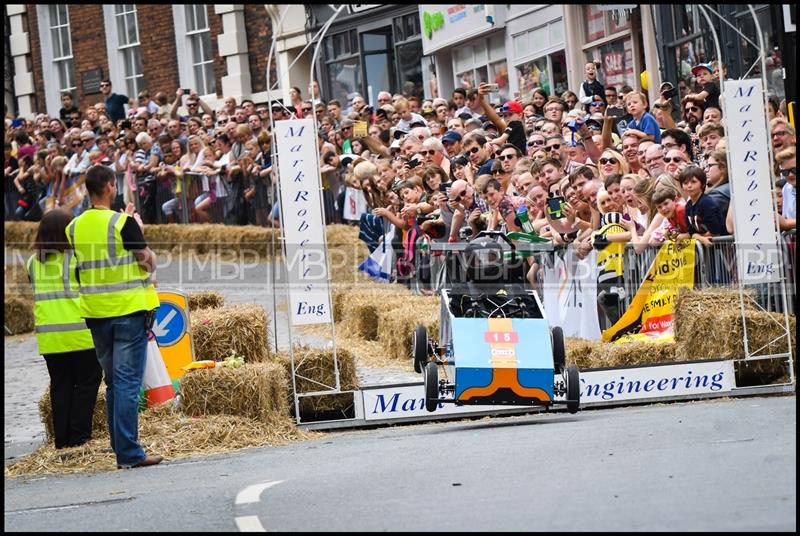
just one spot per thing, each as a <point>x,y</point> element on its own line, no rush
<point>610,163</point>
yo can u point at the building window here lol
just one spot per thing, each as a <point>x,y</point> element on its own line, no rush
<point>408,51</point>
<point>199,35</point>
<point>343,66</point>
<point>548,72</point>
<point>601,24</point>
<point>128,46</point>
<point>483,61</point>
<point>62,48</point>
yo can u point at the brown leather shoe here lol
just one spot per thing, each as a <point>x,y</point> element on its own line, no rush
<point>148,460</point>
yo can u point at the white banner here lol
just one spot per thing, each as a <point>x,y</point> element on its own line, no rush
<point>570,295</point>
<point>598,388</point>
<point>355,204</point>
<point>751,183</point>
<point>303,222</point>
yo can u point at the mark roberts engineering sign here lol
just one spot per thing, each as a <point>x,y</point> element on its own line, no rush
<point>597,387</point>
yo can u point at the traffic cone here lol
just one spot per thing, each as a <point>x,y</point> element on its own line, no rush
<point>157,383</point>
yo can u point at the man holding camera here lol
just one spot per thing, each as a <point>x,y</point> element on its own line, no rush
<point>468,208</point>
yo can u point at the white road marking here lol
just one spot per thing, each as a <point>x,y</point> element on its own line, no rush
<point>252,494</point>
<point>249,524</point>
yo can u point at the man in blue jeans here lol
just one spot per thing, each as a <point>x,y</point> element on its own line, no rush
<point>118,301</point>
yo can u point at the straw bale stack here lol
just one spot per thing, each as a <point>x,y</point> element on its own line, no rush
<point>360,306</point>
<point>207,299</point>
<point>20,234</point>
<point>697,308</point>
<point>16,281</point>
<point>396,325</point>
<point>345,252</point>
<point>99,420</point>
<point>580,351</point>
<point>18,315</point>
<point>722,335</point>
<point>258,391</point>
<point>631,353</point>
<point>315,372</point>
<point>241,329</point>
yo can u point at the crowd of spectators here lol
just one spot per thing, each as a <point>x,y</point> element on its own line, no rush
<point>562,167</point>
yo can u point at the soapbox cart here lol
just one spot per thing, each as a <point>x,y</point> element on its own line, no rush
<point>495,345</point>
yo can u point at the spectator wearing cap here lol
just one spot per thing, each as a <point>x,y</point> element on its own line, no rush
<point>452,143</point>
<point>509,125</point>
<point>89,138</point>
<point>709,90</point>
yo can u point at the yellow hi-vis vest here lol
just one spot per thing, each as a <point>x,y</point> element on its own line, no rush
<point>56,310</point>
<point>112,283</point>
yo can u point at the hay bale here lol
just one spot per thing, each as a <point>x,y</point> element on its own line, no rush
<point>258,391</point>
<point>315,372</point>
<point>18,315</point>
<point>721,334</point>
<point>625,354</point>
<point>579,351</point>
<point>16,282</point>
<point>241,329</point>
<point>360,305</point>
<point>694,306</point>
<point>99,420</point>
<point>20,234</point>
<point>396,325</point>
<point>207,299</point>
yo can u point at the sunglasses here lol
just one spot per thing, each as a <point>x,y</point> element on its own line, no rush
<point>104,85</point>
<point>191,104</point>
<point>430,152</point>
<point>77,143</point>
<point>789,171</point>
<point>497,172</point>
<point>506,157</point>
<point>553,109</point>
<point>474,150</point>
<point>460,195</point>
<point>346,128</point>
<point>678,160</point>
<point>604,161</point>
<point>693,109</point>
<point>555,147</point>
<point>535,142</point>
<point>596,104</point>
<point>308,110</point>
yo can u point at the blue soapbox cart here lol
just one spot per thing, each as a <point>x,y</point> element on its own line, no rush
<point>495,344</point>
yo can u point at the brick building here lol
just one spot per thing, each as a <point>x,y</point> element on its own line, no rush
<point>218,50</point>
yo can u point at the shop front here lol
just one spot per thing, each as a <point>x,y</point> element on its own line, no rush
<point>464,45</point>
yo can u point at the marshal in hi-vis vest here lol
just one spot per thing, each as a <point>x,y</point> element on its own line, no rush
<point>112,283</point>
<point>56,310</point>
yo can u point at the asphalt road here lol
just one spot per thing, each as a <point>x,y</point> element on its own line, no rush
<point>714,465</point>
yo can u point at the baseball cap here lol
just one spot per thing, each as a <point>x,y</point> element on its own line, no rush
<point>488,124</point>
<point>697,68</point>
<point>417,124</point>
<point>451,136</point>
<point>512,107</point>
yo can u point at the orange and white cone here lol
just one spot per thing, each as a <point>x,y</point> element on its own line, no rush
<point>157,383</point>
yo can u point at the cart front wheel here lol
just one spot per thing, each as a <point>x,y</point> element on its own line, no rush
<point>431,386</point>
<point>420,348</point>
<point>573,389</point>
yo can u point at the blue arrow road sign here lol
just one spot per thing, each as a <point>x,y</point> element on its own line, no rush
<point>170,324</point>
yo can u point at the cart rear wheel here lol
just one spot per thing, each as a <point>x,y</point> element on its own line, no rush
<point>559,349</point>
<point>419,346</point>
<point>573,388</point>
<point>431,386</point>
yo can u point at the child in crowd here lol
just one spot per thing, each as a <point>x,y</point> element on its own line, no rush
<point>643,124</point>
<point>591,90</point>
<point>703,217</point>
<point>670,205</point>
<point>709,89</point>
